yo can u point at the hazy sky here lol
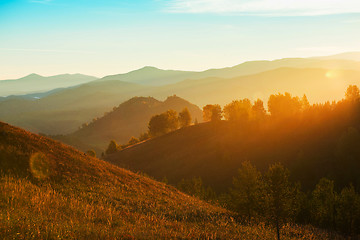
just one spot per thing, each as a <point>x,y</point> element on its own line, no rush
<point>102,37</point>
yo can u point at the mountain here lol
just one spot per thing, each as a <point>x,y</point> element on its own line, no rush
<point>151,76</point>
<point>64,111</point>
<point>50,190</point>
<point>128,119</point>
<point>157,77</point>
<point>35,83</point>
<point>323,142</point>
<point>353,56</point>
<point>318,84</point>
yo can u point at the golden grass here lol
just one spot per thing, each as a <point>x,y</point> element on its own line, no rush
<point>86,198</point>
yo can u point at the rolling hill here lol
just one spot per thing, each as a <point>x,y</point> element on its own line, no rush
<point>35,83</point>
<point>323,143</point>
<point>128,119</point>
<point>49,190</point>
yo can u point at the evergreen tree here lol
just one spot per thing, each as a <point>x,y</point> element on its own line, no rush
<point>246,192</point>
<point>279,196</point>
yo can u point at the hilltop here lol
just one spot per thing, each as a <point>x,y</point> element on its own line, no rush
<point>50,190</point>
<point>129,119</point>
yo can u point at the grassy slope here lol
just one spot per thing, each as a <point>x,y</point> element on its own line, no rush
<point>84,197</point>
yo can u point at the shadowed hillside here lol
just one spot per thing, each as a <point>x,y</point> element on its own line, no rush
<point>50,190</point>
<point>129,119</point>
<point>322,141</point>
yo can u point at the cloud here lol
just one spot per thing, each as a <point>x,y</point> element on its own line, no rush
<point>264,7</point>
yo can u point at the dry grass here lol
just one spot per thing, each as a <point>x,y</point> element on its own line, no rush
<point>86,198</point>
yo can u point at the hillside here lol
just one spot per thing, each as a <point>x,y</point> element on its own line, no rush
<point>129,119</point>
<point>50,190</point>
<point>322,143</point>
<point>35,83</point>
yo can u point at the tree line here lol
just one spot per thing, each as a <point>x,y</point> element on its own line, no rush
<point>158,125</point>
<point>273,198</point>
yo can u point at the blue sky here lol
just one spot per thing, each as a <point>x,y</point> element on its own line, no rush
<point>112,36</point>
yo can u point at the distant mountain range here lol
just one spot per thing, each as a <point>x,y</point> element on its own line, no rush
<point>353,56</point>
<point>129,119</point>
<point>151,76</point>
<point>157,77</point>
<point>62,111</point>
<point>35,83</point>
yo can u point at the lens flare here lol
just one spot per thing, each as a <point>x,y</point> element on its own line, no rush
<point>39,165</point>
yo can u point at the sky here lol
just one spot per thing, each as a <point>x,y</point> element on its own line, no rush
<point>103,37</point>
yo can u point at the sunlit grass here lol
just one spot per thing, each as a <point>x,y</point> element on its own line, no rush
<point>85,198</point>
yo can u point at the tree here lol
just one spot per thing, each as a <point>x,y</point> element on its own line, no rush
<point>352,93</point>
<point>163,123</point>
<point>348,211</point>
<point>238,110</point>
<point>144,136</point>
<point>258,111</point>
<point>246,191</point>
<point>157,125</point>
<point>91,153</point>
<point>324,200</point>
<point>304,103</point>
<point>195,187</point>
<point>283,105</point>
<point>279,196</point>
<point>184,118</point>
<point>112,148</point>
<point>133,140</point>
<point>212,112</point>
<point>172,122</point>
